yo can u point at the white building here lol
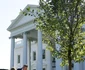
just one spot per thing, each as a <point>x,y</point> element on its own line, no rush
<point>30,49</point>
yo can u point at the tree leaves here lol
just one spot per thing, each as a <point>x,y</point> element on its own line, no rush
<point>56,18</point>
<point>60,22</point>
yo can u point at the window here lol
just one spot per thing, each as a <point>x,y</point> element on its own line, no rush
<point>18,58</point>
<point>43,68</point>
<point>34,55</point>
<point>43,56</point>
<point>53,59</point>
<point>72,65</point>
<point>34,69</point>
<point>53,63</point>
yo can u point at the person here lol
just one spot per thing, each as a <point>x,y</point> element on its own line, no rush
<point>13,68</point>
<point>24,67</point>
<point>19,69</point>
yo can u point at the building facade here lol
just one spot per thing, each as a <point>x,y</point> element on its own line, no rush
<point>30,50</point>
<point>47,59</point>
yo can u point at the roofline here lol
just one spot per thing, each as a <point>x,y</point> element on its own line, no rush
<point>22,24</point>
<point>29,5</point>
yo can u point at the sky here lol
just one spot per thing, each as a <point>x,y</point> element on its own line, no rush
<point>9,10</point>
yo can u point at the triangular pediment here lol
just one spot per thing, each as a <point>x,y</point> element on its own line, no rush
<point>21,19</point>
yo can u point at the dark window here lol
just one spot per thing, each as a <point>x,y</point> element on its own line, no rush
<point>72,65</point>
<point>53,63</point>
<point>43,68</point>
<point>34,55</point>
<point>18,58</point>
<point>53,59</point>
<point>43,56</point>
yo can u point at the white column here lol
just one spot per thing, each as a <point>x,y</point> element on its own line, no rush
<point>58,67</point>
<point>49,60</point>
<point>39,51</point>
<point>76,66</point>
<point>12,52</point>
<point>81,65</point>
<point>24,48</point>
<point>84,64</point>
<point>29,55</point>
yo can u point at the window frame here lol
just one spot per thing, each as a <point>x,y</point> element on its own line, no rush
<point>34,55</point>
<point>18,59</point>
<point>43,54</point>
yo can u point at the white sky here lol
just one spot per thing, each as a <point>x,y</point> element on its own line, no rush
<point>9,9</point>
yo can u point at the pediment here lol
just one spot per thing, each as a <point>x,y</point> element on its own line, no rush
<point>21,19</point>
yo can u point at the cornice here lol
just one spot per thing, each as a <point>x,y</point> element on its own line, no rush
<point>21,15</point>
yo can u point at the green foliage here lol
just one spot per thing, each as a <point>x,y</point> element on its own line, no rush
<point>61,23</point>
<point>64,20</point>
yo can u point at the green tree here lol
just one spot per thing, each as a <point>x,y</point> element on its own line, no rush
<point>61,23</point>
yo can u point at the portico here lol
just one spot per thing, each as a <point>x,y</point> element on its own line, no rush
<point>24,28</point>
<point>27,38</point>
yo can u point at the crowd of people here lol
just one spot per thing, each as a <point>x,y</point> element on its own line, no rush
<point>23,68</point>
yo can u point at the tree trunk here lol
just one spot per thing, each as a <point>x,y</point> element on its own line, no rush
<point>70,64</point>
<point>69,60</point>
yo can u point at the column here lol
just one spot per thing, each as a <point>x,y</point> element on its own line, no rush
<point>81,65</point>
<point>12,52</point>
<point>29,55</point>
<point>24,48</point>
<point>49,60</point>
<point>84,64</point>
<point>39,51</point>
<point>58,61</point>
<point>76,66</point>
